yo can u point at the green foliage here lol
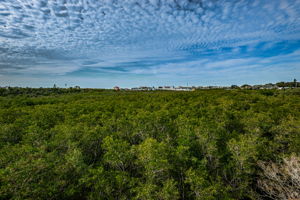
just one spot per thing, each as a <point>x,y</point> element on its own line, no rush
<point>100,144</point>
<point>117,153</point>
<point>200,185</point>
<point>153,157</point>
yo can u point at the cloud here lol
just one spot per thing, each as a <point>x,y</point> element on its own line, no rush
<point>224,66</point>
<point>142,36</point>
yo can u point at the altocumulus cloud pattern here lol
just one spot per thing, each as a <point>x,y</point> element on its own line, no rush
<point>99,43</point>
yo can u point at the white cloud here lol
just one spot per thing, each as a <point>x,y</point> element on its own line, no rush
<point>115,32</point>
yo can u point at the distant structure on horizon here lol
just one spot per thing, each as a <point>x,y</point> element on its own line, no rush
<point>173,88</point>
<point>279,85</point>
<point>116,88</point>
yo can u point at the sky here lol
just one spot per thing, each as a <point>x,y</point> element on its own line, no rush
<point>129,43</point>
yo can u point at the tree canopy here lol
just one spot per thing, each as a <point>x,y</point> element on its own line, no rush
<point>104,144</point>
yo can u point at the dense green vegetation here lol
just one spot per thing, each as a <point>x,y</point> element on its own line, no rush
<point>144,145</point>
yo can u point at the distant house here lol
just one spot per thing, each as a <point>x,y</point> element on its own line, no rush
<point>164,88</point>
<point>145,88</point>
<point>257,87</point>
<point>142,88</point>
<point>116,88</point>
<point>246,86</point>
<point>182,88</point>
<point>270,86</point>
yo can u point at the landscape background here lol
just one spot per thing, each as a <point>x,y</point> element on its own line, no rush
<point>149,99</point>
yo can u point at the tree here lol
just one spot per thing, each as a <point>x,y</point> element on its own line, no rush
<point>153,157</point>
<point>200,186</point>
<point>117,153</point>
<point>234,87</point>
<point>281,181</point>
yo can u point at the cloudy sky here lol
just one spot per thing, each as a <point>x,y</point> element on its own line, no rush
<point>103,43</point>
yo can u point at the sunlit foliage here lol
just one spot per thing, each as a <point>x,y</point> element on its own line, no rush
<point>103,144</point>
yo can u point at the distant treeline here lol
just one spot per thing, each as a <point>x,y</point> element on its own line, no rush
<point>279,85</point>
<point>7,91</point>
<point>11,91</point>
<point>288,84</point>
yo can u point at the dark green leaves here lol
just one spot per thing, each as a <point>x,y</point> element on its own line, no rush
<point>101,144</point>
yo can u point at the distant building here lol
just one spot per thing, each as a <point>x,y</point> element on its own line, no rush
<point>145,88</point>
<point>246,86</point>
<point>142,88</point>
<point>257,87</point>
<point>116,88</point>
<point>270,86</point>
<point>182,88</point>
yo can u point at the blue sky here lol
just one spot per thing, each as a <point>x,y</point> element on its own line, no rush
<point>103,43</point>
